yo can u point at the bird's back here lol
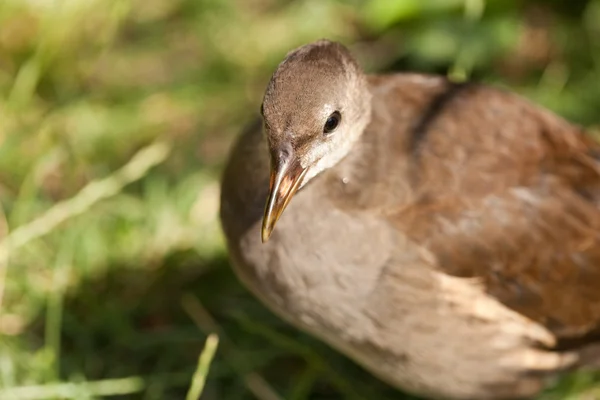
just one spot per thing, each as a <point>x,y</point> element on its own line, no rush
<point>504,191</point>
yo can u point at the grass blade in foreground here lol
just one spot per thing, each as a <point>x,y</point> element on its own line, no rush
<point>73,390</point>
<point>199,378</point>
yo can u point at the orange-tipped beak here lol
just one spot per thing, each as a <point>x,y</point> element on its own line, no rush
<point>286,177</point>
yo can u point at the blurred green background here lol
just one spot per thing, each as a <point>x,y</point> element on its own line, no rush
<point>115,121</point>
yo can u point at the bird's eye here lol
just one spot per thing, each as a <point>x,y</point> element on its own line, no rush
<point>332,122</point>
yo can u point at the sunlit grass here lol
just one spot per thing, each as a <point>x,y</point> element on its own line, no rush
<point>204,361</point>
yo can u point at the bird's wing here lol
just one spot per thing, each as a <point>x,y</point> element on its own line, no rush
<point>509,193</point>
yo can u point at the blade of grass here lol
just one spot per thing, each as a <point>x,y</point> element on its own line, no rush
<point>70,390</point>
<point>3,260</point>
<point>304,384</point>
<point>255,383</point>
<point>99,388</point>
<point>204,361</point>
<point>91,194</point>
<point>54,313</point>
<point>349,390</point>
<point>463,64</point>
<point>26,82</point>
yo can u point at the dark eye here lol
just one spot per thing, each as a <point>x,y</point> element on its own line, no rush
<point>332,122</point>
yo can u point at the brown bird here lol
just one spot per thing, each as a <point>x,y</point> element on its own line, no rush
<point>446,236</point>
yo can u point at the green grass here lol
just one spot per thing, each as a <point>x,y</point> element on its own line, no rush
<point>115,120</point>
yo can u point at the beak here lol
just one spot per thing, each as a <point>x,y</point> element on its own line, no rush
<point>286,177</point>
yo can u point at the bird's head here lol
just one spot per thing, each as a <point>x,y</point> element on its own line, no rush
<point>316,106</point>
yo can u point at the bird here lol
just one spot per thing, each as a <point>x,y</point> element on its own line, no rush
<point>443,235</point>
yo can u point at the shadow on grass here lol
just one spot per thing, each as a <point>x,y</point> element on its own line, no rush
<point>131,322</point>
